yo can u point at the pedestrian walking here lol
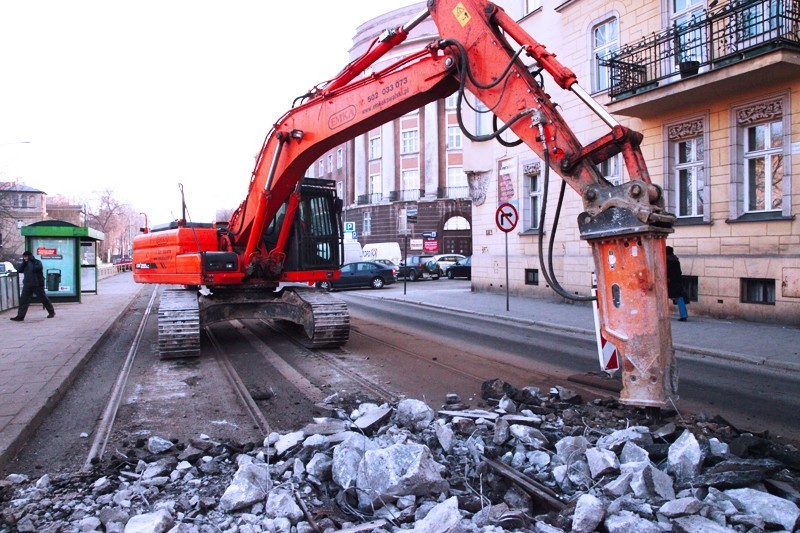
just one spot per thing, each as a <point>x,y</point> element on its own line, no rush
<point>675,283</point>
<point>32,284</point>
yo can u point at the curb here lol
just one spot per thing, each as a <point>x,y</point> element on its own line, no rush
<point>68,377</point>
<point>690,350</point>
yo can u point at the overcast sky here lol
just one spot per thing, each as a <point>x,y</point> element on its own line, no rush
<point>137,97</point>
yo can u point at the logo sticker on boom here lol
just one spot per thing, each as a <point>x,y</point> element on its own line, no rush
<point>462,15</point>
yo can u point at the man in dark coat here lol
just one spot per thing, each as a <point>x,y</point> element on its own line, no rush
<point>675,282</point>
<point>32,283</point>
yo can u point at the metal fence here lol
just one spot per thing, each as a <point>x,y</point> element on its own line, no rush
<point>9,291</point>
<point>735,31</point>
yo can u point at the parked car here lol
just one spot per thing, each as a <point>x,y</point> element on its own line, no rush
<point>361,274</point>
<point>461,269</point>
<point>389,263</point>
<point>440,263</point>
<point>416,267</point>
<point>6,268</point>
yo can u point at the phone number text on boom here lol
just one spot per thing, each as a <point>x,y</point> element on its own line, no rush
<point>387,90</point>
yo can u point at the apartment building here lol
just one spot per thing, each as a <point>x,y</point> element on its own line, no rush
<point>714,89</point>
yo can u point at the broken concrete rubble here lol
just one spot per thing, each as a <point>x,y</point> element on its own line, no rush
<point>556,465</point>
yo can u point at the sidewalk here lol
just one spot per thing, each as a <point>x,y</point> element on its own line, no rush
<point>40,357</point>
<point>773,346</point>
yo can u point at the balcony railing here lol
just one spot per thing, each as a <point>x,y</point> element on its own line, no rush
<point>372,198</point>
<point>735,31</point>
<point>456,193</point>
<point>406,195</point>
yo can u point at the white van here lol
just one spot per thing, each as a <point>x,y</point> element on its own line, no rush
<point>352,252</point>
<point>383,250</point>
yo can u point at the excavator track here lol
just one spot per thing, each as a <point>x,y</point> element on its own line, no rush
<point>178,324</point>
<point>324,318</point>
<point>329,324</point>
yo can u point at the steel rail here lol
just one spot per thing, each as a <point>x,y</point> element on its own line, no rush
<point>238,385</point>
<point>106,423</point>
<point>330,360</point>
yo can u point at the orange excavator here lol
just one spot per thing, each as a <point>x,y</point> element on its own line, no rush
<point>288,228</point>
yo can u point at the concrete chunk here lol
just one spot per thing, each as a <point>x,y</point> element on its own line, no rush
<point>288,442</point>
<point>632,453</point>
<point>651,483</point>
<point>155,522</point>
<point>250,484</point>
<point>158,444</point>
<point>601,462</point>
<point>628,522</point>
<point>775,511</point>
<point>685,457</point>
<point>681,507</point>
<point>589,512</point>
<point>528,436</point>
<point>571,449</point>
<point>399,470</point>
<point>698,524</point>
<point>445,435</point>
<point>281,503</point>
<point>442,518</point>
<point>347,456</point>
<point>372,419</point>
<point>616,440</point>
<point>414,414</point>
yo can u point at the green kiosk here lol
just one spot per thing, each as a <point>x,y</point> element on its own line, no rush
<point>69,257</point>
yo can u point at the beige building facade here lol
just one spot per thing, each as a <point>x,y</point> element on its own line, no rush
<point>714,90</point>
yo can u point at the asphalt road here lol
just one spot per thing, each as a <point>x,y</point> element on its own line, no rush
<point>749,397</point>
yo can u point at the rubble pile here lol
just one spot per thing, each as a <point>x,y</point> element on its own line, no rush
<point>527,460</point>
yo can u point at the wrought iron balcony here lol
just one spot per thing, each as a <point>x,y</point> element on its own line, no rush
<point>735,31</point>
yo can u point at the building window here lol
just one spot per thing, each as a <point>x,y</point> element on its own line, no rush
<point>409,141</point>
<point>483,119</point>
<point>410,185</point>
<point>457,186</point>
<point>340,189</point>
<point>691,288</point>
<point>687,195</point>
<point>531,276</point>
<point>688,175</point>
<point>452,101</point>
<point>321,170</point>
<point>611,170</point>
<point>375,148</point>
<point>330,162</point>
<point>367,226</point>
<point>339,158</point>
<point>763,166</point>
<point>454,138</point>
<point>605,40</point>
<point>309,172</point>
<point>762,141</point>
<point>532,189</point>
<point>375,188</point>
<point>758,291</point>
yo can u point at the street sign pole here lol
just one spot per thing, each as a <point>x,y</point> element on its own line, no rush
<point>405,278</point>
<point>506,219</point>
<point>507,289</point>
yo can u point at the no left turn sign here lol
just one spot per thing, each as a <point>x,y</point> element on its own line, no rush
<point>506,217</point>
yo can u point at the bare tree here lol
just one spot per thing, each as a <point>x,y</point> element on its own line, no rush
<point>109,216</point>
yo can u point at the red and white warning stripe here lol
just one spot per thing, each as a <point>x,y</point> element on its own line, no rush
<point>606,351</point>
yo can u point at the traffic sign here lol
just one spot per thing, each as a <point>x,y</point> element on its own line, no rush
<point>411,215</point>
<point>349,226</point>
<point>429,234</point>
<point>506,217</point>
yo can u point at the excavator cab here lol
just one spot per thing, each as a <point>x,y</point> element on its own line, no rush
<point>315,238</point>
